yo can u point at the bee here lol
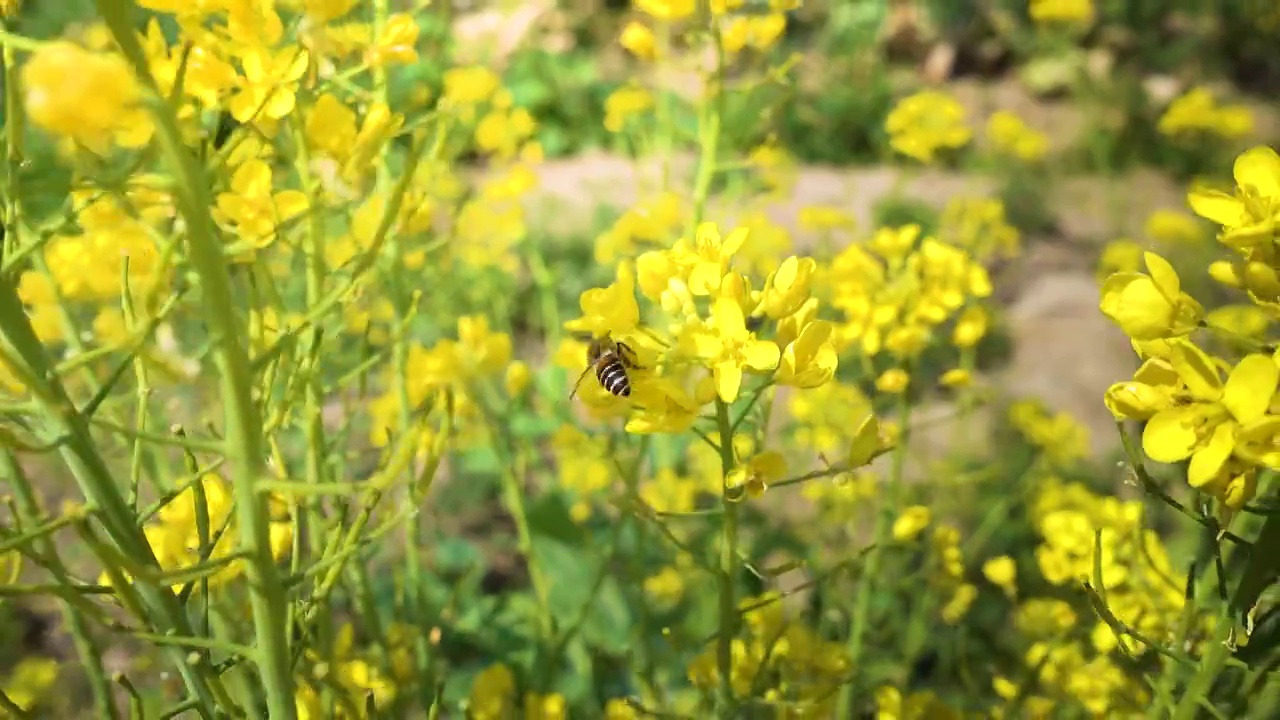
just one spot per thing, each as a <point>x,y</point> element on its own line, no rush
<point>611,360</point>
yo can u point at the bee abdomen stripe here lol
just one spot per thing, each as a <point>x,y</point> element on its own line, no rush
<point>613,377</point>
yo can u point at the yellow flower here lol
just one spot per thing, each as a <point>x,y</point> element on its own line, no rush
<point>1062,11</point>
<point>810,360</point>
<point>395,46</point>
<point>667,10</point>
<point>518,378</point>
<point>1196,113</point>
<point>971,327</point>
<point>638,39</point>
<point>253,209</point>
<point>470,85</point>
<point>708,257</point>
<point>893,381</point>
<point>729,348</point>
<point>1009,135</point>
<point>620,709</point>
<point>1002,572</point>
<point>323,11</point>
<point>30,681</point>
<point>1173,227</point>
<point>611,310</point>
<point>1150,391</point>
<point>1250,216</point>
<point>1208,424</point>
<point>266,91</point>
<point>502,132</point>
<point>956,378</point>
<point>1150,307</point>
<point>1119,256</point>
<point>544,707</point>
<point>923,124</point>
<point>493,693</point>
<point>787,288</point>
<point>88,97</point>
<point>623,104</point>
<point>911,523</point>
<point>757,473</point>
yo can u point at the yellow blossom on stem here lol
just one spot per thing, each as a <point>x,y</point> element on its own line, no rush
<point>610,310</point>
<point>266,91</point>
<point>253,209</point>
<point>787,288</point>
<point>638,39</point>
<point>1251,215</point>
<point>1150,306</point>
<point>88,97</point>
<point>1208,422</point>
<point>810,360</point>
<point>911,523</point>
<point>893,381</point>
<point>923,124</point>
<point>729,348</point>
<point>755,475</point>
<point>667,10</point>
<point>1009,135</point>
<point>395,46</point>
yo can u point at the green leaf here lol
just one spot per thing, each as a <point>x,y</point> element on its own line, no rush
<point>569,573</point>
<point>549,518</point>
<point>608,624</point>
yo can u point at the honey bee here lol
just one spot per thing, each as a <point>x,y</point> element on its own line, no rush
<point>610,359</point>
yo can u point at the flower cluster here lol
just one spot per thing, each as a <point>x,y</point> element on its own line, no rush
<point>923,125</point>
<point>1218,414</point>
<point>1011,137</point>
<point>899,290</point>
<point>783,659</point>
<point>353,676</point>
<point>1197,114</point>
<point>176,535</point>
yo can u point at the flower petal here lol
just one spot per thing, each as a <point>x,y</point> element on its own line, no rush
<point>1197,370</point>
<point>728,381</point>
<point>1170,436</point>
<point>760,355</point>
<point>1259,168</point>
<point>1250,387</point>
<point>1217,206</point>
<point>1207,462</point>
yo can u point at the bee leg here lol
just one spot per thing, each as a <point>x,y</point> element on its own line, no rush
<point>578,384</point>
<point>629,356</point>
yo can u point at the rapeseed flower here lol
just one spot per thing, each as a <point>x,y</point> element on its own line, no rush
<point>267,89</point>
<point>91,98</point>
<point>1197,113</point>
<point>1150,306</point>
<point>927,123</point>
<point>1010,136</point>
<point>730,349</point>
<point>1061,11</point>
<point>254,209</point>
<point>667,10</point>
<point>1209,417</point>
<point>1250,216</point>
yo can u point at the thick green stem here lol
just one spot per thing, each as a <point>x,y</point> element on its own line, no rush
<point>727,702</point>
<point>244,444</point>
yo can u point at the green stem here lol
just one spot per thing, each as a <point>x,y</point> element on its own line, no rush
<point>866,587</point>
<point>726,701</point>
<point>1188,707</point>
<point>244,444</point>
<point>87,648</point>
